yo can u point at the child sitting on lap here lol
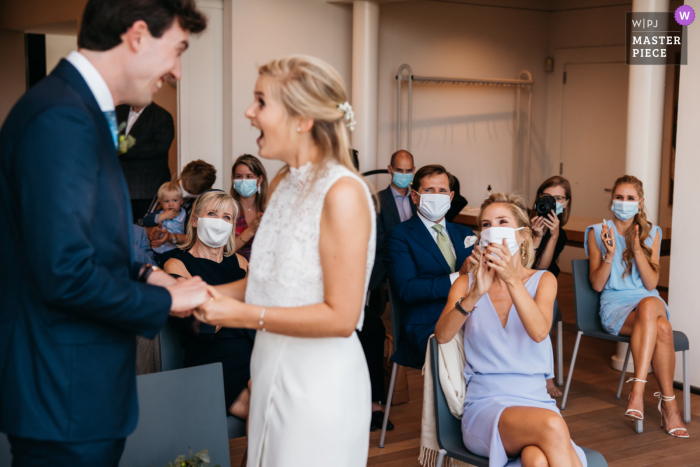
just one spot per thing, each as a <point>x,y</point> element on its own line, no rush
<point>170,218</point>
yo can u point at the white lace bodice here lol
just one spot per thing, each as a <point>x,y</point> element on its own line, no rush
<point>285,264</point>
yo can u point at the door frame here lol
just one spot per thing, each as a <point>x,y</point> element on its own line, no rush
<point>555,90</point>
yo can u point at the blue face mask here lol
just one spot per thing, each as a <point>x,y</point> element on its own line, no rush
<point>402,180</point>
<point>559,209</point>
<point>246,187</point>
<point>625,210</point>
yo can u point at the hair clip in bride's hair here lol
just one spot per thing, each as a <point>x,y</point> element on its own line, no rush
<point>348,115</point>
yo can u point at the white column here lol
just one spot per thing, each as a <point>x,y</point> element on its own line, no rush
<point>365,64</point>
<point>645,124</point>
<point>685,255</point>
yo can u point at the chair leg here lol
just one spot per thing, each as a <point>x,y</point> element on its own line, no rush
<point>571,370</point>
<point>560,355</point>
<point>686,386</point>
<point>624,371</point>
<point>441,458</point>
<point>388,403</point>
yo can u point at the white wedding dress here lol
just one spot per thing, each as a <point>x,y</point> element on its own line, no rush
<point>311,401</point>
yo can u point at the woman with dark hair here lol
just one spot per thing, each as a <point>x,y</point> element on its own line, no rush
<point>549,236</point>
<point>548,231</point>
<point>249,189</point>
<point>624,261</point>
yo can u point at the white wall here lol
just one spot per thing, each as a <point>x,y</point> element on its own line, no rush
<point>685,255</point>
<point>468,129</point>
<point>263,30</point>
<point>58,47</point>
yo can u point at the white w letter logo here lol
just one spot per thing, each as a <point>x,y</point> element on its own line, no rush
<point>685,15</point>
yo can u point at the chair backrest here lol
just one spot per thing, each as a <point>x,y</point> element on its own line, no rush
<point>172,355</point>
<point>396,315</point>
<point>586,299</point>
<point>448,427</point>
<point>179,410</point>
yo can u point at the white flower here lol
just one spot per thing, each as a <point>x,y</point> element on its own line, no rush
<point>348,115</point>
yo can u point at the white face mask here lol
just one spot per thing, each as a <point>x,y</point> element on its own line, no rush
<point>213,232</point>
<point>434,206</point>
<point>496,235</point>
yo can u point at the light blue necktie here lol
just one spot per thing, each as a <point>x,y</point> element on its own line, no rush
<point>111,117</point>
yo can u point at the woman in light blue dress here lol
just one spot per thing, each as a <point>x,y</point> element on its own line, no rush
<point>505,309</point>
<point>624,265</point>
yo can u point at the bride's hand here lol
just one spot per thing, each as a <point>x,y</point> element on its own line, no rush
<point>220,310</point>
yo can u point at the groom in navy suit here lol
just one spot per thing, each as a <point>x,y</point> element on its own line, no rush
<point>423,257</point>
<point>73,299</point>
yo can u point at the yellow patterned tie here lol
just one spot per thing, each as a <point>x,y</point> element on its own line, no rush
<point>444,244</point>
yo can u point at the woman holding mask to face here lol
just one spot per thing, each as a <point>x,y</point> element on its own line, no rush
<point>505,308</point>
<point>624,262</point>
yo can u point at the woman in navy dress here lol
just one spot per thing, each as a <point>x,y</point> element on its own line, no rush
<point>505,309</point>
<point>209,254</point>
<point>624,261</point>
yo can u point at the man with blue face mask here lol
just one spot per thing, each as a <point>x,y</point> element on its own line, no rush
<point>396,206</point>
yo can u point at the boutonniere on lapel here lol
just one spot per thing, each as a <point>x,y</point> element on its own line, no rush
<point>469,241</point>
<point>125,143</point>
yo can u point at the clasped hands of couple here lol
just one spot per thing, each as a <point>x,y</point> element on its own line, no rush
<point>194,297</point>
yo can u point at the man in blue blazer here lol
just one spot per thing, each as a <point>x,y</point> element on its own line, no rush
<point>423,257</point>
<point>73,299</point>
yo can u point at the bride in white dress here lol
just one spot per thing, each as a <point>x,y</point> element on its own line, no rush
<point>309,270</point>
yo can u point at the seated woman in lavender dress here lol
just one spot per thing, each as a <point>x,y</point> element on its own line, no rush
<point>623,254</point>
<point>505,309</point>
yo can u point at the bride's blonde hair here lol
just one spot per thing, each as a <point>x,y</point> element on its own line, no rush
<point>311,88</point>
<point>518,207</point>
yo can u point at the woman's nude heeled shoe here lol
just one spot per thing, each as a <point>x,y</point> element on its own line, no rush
<point>671,432</point>
<point>631,412</point>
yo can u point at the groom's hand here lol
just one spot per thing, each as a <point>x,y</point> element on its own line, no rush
<point>161,279</point>
<point>187,295</point>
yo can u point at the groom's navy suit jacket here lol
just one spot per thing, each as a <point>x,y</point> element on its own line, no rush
<point>70,306</point>
<point>420,275</point>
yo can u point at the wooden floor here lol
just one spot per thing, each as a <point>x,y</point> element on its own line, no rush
<point>595,418</point>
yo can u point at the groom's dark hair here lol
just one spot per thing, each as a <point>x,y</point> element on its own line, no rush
<point>104,21</point>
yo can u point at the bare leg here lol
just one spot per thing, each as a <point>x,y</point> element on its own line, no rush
<point>241,405</point>
<point>532,456</point>
<point>552,389</point>
<point>664,363</point>
<point>522,427</point>
<point>642,325</point>
<point>376,406</point>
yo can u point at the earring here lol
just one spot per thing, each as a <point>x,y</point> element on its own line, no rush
<point>298,129</point>
<point>523,250</point>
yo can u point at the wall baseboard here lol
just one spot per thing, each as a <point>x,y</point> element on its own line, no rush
<point>693,389</point>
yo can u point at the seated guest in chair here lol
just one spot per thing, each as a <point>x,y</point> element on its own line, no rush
<point>396,206</point>
<point>505,309</point>
<point>208,253</point>
<point>196,178</point>
<point>624,262</point>
<point>423,257</point>
<point>171,218</point>
<point>549,238</point>
<point>249,189</point>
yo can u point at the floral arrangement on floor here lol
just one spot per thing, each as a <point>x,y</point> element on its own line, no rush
<point>201,459</point>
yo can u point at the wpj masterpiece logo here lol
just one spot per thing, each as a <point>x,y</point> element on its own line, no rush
<point>658,38</point>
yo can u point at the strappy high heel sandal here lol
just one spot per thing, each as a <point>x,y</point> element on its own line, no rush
<point>671,432</point>
<point>631,412</point>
